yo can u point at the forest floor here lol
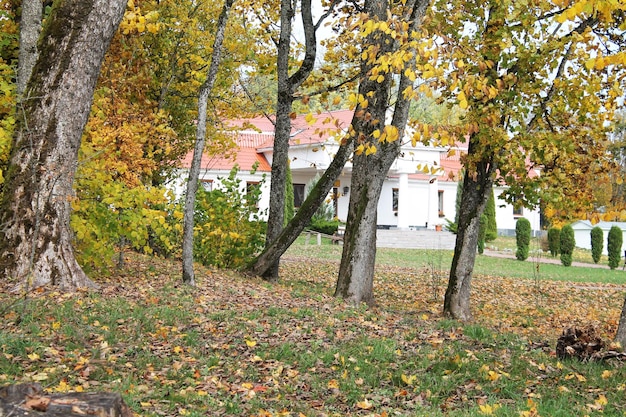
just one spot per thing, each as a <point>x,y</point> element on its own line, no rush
<point>240,346</point>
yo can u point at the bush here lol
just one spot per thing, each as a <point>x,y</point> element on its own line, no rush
<point>567,245</point>
<point>614,246</point>
<point>491,230</point>
<point>328,227</point>
<point>481,234</point>
<point>554,241</point>
<point>229,232</point>
<point>522,236</point>
<point>597,238</point>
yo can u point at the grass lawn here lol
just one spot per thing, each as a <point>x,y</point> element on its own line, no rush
<point>242,347</point>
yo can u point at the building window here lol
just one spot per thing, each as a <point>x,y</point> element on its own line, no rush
<point>298,195</point>
<point>206,185</point>
<point>394,199</point>
<point>440,203</point>
<point>252,187</point>
<point>518,211</point>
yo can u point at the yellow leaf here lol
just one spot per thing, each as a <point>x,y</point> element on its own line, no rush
<point>606,374</point>
<point>178,350</point>
<point>336,100</point>
<point>310,119</point>
<point>56,325</point>
<point>487,409</point>
<point>563,389</point>
<point>33,357</point>
<point>333,384</point>
<point>409,379</point>
<point>463,101</point>
<point>364,405</point>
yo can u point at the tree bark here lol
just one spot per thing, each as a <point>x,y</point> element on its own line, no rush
<point>272,252</point>
<point>36,239</point>
<point>287,86</point>
<point>477,187</point>
<point>30,27</point>
<point>356,271</point>
<point>194,170</point>
<point>621,328</point>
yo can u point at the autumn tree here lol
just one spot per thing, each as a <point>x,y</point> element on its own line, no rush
<point>194,170</point>
<point>388,53</point>
<point>36,236</point>
<point>519,71</point>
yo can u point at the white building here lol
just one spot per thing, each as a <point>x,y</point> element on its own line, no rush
<point>582,233</point>
<point>409,198</point>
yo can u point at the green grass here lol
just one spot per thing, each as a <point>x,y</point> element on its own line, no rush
<point>238,346</point>
<point>440,261</point>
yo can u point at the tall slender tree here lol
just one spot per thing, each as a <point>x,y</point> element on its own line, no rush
<point>36,240</point>
<point>194,170</point>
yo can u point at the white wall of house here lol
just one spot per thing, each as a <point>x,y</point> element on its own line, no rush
<point>506,218</point>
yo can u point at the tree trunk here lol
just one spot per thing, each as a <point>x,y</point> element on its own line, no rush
<point>477,187</point>
<point>356,271</point>
<point>194,170</point>
<point>30,27</point>
<point>621,328</point>
<point>287,86</point>
<point>36,239</point>
<point>272,252</point>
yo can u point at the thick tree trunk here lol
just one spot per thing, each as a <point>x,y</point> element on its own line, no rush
<point>30,27</point>
<point>355,281</point>
<point>621,328</point>
<point>36,237</point>
<point>194,170</point>
<point>477,187</point>
<point>287,86</point>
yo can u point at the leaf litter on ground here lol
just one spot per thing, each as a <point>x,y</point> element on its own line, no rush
<point>236,345</point>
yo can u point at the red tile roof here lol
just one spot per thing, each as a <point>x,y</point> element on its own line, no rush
<point>258,134</point>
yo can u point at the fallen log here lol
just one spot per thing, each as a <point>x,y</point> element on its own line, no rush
<point>30,400</point>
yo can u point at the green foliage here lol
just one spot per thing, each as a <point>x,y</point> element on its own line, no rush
<point>491,232</point>
<point>229,232</point>
<point>108,216</point>
<point>554,241</point>
<point>614,246</point>
<point>289,197</point>
<point>568,242</point>
<point>326,211</point>
<point>481,233</point>
<point>8,58</point>
<point>451,226</point>
<point>522,236</point>
<point>327,227</point>
<point>597,243</point>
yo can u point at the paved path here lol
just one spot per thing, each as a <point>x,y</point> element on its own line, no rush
<point>415,239</point>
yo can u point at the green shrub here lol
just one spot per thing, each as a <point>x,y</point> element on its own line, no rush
<point>229,232</point>
<point>567,245</point>
<point>554,241</point>
<point>491,231</point>
<point>614,246</point>
<point>481,233</point>
<point>522,236</point>
<point>327,227</point>
<point>597,238</point>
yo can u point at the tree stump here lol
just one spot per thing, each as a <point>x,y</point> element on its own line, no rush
<point>30,400</point>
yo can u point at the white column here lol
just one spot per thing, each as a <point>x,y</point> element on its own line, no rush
<point>404,216</point>
<point>433,203</point>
